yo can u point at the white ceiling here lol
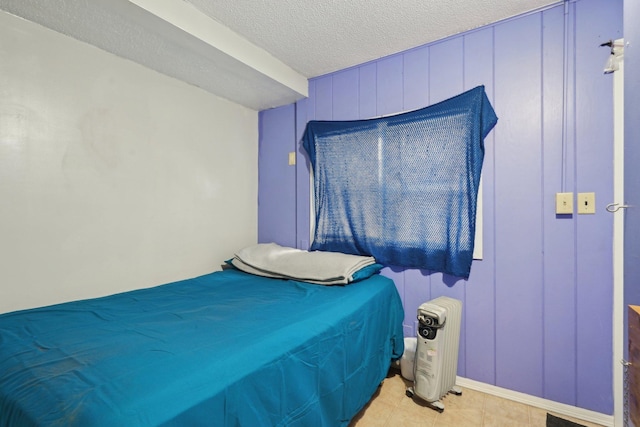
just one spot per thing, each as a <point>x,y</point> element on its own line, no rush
<point>259,53</point>
<point>318,37</point>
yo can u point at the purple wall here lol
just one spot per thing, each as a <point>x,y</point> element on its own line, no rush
<point>538,307</point>
<point>632,153</point>
<point>277,181</point>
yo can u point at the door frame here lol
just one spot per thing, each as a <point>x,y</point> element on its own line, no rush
<point>618,244</point>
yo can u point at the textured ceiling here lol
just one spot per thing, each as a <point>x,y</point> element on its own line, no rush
<point>292,39</point>
<point>316,37</point>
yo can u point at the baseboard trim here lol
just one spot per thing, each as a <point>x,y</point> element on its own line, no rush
<point>538,402</point>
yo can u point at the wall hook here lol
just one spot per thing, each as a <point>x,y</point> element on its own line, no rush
<point>614,207</point>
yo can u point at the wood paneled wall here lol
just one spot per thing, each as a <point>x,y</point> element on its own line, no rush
<point>538,306</point>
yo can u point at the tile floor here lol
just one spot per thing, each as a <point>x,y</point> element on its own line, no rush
<point>390,407</point>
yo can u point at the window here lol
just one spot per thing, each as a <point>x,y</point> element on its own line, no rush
<point>402,188</point>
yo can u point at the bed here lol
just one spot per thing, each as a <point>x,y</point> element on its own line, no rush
<point>223,349</point>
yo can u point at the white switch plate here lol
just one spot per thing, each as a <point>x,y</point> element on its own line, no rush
<point>586,203</point>
<point>292,158</point>
<point>564,203</point>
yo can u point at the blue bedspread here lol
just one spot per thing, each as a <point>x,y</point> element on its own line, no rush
<point>224,349</point>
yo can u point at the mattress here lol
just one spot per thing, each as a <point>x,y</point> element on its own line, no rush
<point>224,349</point>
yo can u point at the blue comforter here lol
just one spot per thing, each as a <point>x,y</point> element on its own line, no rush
<point>224,349</point>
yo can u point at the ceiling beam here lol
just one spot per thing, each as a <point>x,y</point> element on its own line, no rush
<point>186,17</point>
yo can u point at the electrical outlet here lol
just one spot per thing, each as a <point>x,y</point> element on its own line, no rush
<point>586,203</point>
<point>564,203</point>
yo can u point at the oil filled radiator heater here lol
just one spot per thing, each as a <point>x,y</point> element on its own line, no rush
<point>436,357</point>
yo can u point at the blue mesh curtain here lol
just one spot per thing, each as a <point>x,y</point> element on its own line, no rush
<point>402,188</point>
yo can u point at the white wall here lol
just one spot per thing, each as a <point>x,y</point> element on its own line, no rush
<point>113,176</point>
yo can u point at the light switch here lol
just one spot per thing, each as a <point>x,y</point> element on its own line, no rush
<point>586,203</point>
<point>292,158</point>
<point>564,203</point>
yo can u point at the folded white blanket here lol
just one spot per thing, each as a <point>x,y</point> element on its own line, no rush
<point>326,268</point>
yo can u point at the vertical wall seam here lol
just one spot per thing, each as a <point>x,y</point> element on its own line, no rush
<point>333,76</point>
<point>358,100</point>
<point>315,101</point>
<point>403,76</point>
<point>295,173</point>
<point>565,98</point>
<point>429,281</point>
<point>464,289</point>
<point>573,85</point>
<point>542,203</point>
<point>429,75</point>
<point>375,75</point>
<point>495,242</point>
<point>308,178</point>
<point>401,276</point>
<point>404,80</point>
<point>260,137</point>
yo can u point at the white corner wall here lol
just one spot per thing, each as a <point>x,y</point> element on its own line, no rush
<point>112,176</point>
